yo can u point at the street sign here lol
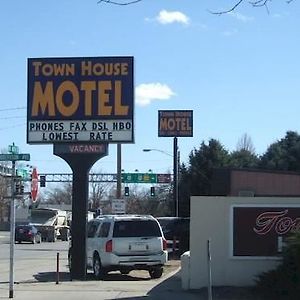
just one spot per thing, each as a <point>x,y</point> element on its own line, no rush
<point>23,173</point>
<point>14,157</point>
<point>139,178</point>
<point>34,184</point>
<point>118,206</point>
<point>163,178</point>
<point>13,149</point>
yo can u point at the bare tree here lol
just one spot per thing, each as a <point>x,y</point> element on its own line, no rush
<point>4,203</point>
<point>60,195</point>
<point>98,192</point>
<point>245,143</point>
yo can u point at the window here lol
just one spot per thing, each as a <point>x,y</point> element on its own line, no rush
<point>136,228</point>
<point>104,230</point>
<point>92,228</point>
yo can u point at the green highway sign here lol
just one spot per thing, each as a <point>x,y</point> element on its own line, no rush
<point>139,178</point>
<point>13,157</point>
<point>23,173</point>
<point>145,178</point>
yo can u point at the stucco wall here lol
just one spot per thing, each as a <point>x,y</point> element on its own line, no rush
<point>211,218</point>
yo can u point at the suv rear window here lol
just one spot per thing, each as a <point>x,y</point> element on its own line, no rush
<point>136,228</point>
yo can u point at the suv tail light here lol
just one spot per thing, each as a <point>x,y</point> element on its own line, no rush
<point>108,246</point>
<point>165,245</point>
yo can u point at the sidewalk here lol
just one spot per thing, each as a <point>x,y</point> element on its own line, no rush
<point>168,287</point>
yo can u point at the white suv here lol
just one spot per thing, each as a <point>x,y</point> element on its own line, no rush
<point>125,243</point>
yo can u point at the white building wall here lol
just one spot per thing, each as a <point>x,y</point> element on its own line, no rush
<point>211,220</point>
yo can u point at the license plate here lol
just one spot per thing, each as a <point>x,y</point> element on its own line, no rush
<point>139,247</point>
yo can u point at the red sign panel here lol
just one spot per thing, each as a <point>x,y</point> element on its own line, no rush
<point>34,184</point>
<point>260,230</point>
<point>163,178</point>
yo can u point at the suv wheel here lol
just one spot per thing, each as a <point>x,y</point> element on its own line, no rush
<point>156,272</point>
<point>97,267</point>
<point>125,271</point>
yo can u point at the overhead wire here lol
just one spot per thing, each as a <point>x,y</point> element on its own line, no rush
<point>14,108</point>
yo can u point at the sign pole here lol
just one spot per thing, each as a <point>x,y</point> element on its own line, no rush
<point>12,232</point>
<point>80,165</point>
<point>175,177</point>
<point>119,170</point>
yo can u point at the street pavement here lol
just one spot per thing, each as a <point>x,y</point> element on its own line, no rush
<point>41,283</point>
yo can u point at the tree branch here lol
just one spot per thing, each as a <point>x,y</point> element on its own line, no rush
<point>229,10</point>
<point>119,3</point>
<point>254,3</point>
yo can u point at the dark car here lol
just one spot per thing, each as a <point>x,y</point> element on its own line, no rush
<point>27,233</point>
<point>177,232</point>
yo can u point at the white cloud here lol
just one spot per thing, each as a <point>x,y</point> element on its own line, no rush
<point>240,17</point>
<point>168,17</point>
<point>145,93</point>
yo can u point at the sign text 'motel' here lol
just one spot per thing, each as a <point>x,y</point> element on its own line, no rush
<point>175,123</point>
<point>75,100</point>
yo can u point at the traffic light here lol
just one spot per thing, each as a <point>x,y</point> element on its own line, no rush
<point>42,181</point>
<point>126,191</point>
<point>152,191</point>
<point>17,188</point>
<point>22,189</point>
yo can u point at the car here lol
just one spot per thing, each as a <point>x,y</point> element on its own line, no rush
<point>177,232</point>
<point>125,243</point>
<point>27,233</point>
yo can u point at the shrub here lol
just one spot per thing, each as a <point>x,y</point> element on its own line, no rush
<point>284,281</point>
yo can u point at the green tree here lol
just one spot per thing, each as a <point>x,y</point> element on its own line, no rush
<point>244,156</point>
<point>243,159</point>
<point>283,154</point>
<point>195,178</point>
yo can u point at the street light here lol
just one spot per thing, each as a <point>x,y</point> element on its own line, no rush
<point>176,162</point>
<point>158,150</point>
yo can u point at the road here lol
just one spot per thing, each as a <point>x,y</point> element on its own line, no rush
<point>31,260</point>
<point>35,275</point>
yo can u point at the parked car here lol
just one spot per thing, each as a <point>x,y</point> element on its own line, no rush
<point>177,233</point>
<point>125,243</point>
<point>27,233</point>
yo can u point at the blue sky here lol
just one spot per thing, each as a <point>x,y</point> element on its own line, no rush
<point>238,72</point>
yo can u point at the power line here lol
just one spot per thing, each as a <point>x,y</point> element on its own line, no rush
<point>12,109</point>
<point>12,117</point>
<point>14,126</point>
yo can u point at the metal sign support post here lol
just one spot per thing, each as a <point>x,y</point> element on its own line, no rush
<point>119,171</point>
<point>80,165</point>
<point>209,289</point>
<point>175,176</point>
<point>12,232</point>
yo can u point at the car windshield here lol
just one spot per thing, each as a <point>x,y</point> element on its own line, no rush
<point>136,228</point>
